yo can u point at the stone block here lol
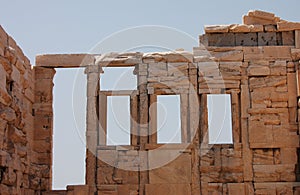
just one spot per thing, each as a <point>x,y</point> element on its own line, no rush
<point>288,26</point>
<point>16,135</point>
<point>42,158</point>
<point>16,75</point>
<point>179,168</point>
<point>267,38</point>
<point>262,15</point>
<point>9,177</point>
<point>270,28</point>
<point>239,28</point>
<point>29,94</point>
<point>236,188</point>
<point>105,175</point>
<point>3,41</point>
<point>278,68</point>
<point>271,81</point>
<point>42,146</point>
<point>297,38</point>
<point>230,68</point>
<point>43,73</point>
<point>172,56</point>
<point>217,29</point>
<point>277,53</point>
<point>272,173</point>
<point>292,89</point>
<point>229,56</point>
<point>43,91</point>
<point>203,40</point>
<point>248,20</point>
<point>263,156</point>
<point>221,40</point>
<point>246,39</point>
<point>259,71</point>
<point>168,189</point>
<point>288,155</point>
<point>279,38</point>
<point>242,28</point>
<point>260,133</point>
<point>253,53</point>
<point>295,53</point>
<point>107,157</point>
<point>42,127</point>
<point>64,60</point>
<point>7,114</point>
<point>2,49</point>
<point>288,38</point>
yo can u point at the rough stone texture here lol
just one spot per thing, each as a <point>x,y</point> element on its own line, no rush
<point>22,169</point>
<point>257,63</point>
<point>259,29</point>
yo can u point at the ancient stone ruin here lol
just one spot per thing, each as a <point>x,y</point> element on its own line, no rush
<point>256,64</point>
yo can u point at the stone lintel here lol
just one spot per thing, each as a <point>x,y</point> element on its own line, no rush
<point>64,60</point>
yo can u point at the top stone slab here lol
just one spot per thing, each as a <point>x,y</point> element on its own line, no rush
<point>255,21</point>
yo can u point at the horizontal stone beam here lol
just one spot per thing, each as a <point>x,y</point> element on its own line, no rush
<point>82,60</point>
<point>64,60</point>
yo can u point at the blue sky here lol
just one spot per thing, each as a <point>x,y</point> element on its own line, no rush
<point>57,26</point>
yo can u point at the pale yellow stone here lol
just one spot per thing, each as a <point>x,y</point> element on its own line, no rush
<point>288,26</point>
<point>217,28</point>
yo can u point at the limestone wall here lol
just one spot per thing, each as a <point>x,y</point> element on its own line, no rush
<point>262,80</point>
<point>22,170</point>
<point>258,29</point>
<point>264,114</point>
<point>257,63</point>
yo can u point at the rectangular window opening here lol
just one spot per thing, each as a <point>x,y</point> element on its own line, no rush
<point>118,78</point>
<point>69,149</point>
<point>118,120</point>
<point>168,119</point>
<point>219,119</point>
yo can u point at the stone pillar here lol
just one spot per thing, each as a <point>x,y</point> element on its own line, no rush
<point>43,124</point>
<point>92,127</point>
<point>143,125</point>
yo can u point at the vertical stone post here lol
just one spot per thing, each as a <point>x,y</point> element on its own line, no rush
<point>43,123</point>
<point>193,125</point>
<point>143,124</point>
<point>92,127</point>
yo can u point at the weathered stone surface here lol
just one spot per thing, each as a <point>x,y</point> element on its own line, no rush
<point>3,41</point>
<point>8,114</point>
<point>242,28</point>
<point>236,188</point>
<point>288,26</point>
<point>262,14</point>
<point>221,40</point>
<point>217,29</point>
<point>271,173</point>
<point>295,54</point>
<point>267,38</point>
<point>288,38</point>
<point>168,189</point>
<point>116,59</point>
<point>17,161</point>
<point>246,39</point>
<point>176,56</point>
<point>260,17</point>
<point>180,167</point>
<point>263,85</point>
<point>259,71</point>
<point>64,60</point>
<point>270,28</point>
<point>297,38</point>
